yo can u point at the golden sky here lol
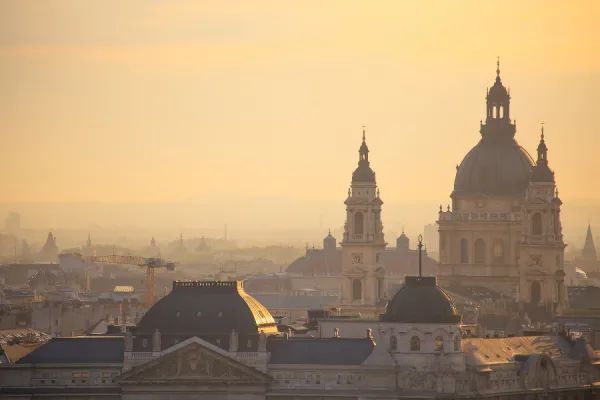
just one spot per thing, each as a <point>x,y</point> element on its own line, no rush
<point>159,101</point>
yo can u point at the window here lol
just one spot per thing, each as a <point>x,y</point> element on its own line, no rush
<point>415,343</point>
<point>439,343</point>
<point>536,224</point>
<point>144,343</point>
<point>380,288</point>
<point>356,289</point>
<point>536,292</point>
<point>393,343</point>
<point>479,251</point>
<point>498,251</point>
<point>464,251</point>
<point>457,343</point>
<point>358,223</point>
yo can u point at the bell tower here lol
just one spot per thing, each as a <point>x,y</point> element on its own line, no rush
<point>541,250</point>
<point>363,243</point>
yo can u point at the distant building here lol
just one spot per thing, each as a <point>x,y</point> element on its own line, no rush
<point>589,258</point>
<point>363,271</point>
<point>49,252</point>
<point>504,231</point>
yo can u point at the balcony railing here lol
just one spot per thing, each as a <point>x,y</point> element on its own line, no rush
<point>479,216</point>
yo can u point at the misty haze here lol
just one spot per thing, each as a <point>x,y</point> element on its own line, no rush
<point>279,200</point>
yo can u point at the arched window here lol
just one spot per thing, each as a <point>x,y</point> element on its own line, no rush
<point>380,288</point>
<point>356,289</point>
<point>415,343</point>
<point>536,224</point>
<point>536,292</point>
<point>498,251</point>
<point>479,251</point>
<point>358,223</point>
<point>494,112</point>
<point>457,343</point>
<point>500,112</point>
<point>464,251</point>
<point>393,343</point>
<point>439,343</point>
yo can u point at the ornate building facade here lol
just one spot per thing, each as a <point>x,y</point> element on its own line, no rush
<point>503,231</point>
<point>363,274</point>
<point>216,342</point>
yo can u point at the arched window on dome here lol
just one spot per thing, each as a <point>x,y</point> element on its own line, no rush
<point>500,112</point>
<point>393,343</point>
<point>464,251</point>
<point>536,224</point>
<point>356,289</point>
<point>498,251</point>
<point>358,223</point>
<point>479,251</point>
<point>415,343</point>
<point>439,343</point>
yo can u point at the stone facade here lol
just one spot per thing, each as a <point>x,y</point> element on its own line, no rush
<point>503,231</point>
<point>363,274</point>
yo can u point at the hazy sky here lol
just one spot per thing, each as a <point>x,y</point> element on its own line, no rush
<point>171,101</point>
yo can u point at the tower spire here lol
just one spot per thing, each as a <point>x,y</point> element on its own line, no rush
<point>364,133</point>
<point>420,246</point>
<point>498,67</point>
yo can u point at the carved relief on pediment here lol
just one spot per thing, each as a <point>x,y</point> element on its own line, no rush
<point>194,363</point>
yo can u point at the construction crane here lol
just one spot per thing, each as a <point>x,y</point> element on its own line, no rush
<point>150,263</point>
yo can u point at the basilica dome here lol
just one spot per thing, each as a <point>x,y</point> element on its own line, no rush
<point>494,168</point>
<point>421,300</point>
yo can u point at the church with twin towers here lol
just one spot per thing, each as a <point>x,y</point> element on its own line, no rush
<point>502,231</point>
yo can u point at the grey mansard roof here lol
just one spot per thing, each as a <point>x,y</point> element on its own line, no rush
<point>327,351</point>
<point>79,349</point>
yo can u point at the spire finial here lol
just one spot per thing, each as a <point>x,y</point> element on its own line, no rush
<point>498,67</point>
<point>542,130</point>
<point>364,134</point>
<point>420,247</point>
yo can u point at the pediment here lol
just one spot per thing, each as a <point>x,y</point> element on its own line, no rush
<point>194,363</point>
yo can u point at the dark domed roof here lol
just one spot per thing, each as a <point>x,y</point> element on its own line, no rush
<point>494,167</point>
<point>195,308</point>
<point>363,173</point>
<point>421,300</point>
